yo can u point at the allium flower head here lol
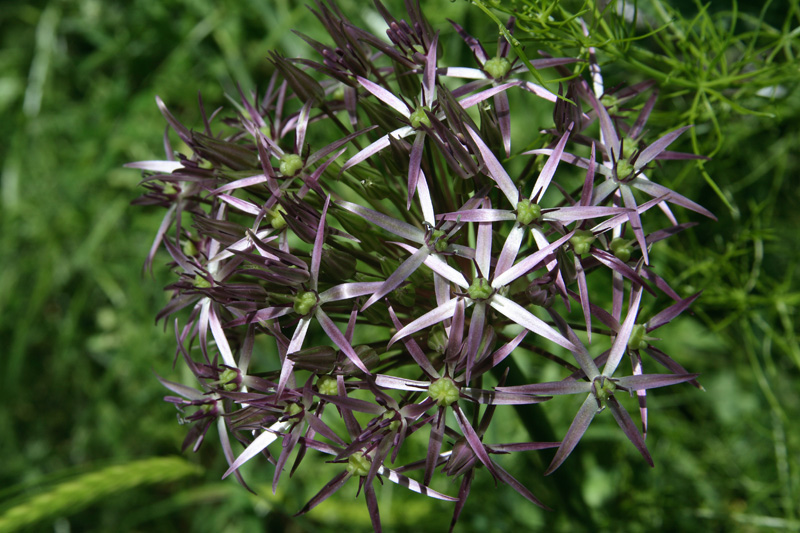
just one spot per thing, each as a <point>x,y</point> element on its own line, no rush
<point>395,267</point>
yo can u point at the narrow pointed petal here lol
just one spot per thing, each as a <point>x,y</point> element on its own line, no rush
<point>434,445</point>
<point>657,147</point>
<point>392,225</point>
<point>329,488</point>
<point>509,252</point>
<point>495,170</point>
<point>655,190</point>
<point>509,480</point>
<point>474,441</point>
<point>316,253</point>
<point>414,165</point>
<point>429,75</point>
<point>260,443</point>
<point>653,381</point>
<point>338,339</point>
<point>624,334</point>
<point>415,486</point>
<point>434,316</point>
<point>439,266</point>
<point>413,348</point>
<point>551,388</point>
<point>635,220</point>
<point>478,215</point>
<point>626,423</point>
<point>483,245</point>
<point>504,120</point>
<point>549,169</point>
<point>408,267</point>
<point>574,433</point>
<point>385,96</point>
<point>524,318</point>
<point>165,167</point>
<point>529,263</point>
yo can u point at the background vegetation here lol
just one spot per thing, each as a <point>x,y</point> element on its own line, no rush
<point>88,445</point>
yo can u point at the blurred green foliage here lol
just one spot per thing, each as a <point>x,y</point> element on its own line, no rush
<point>79,348</point>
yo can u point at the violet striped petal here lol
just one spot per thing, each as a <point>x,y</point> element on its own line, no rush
<point>576,430</point>
<point>390,224</point>
<point>626,423</point>
<point>624,334</point>
<point>495,170</point>
<point>385,96</point>
<point>524,318</point>
<point>549,169</point>
<point>653,381</point>
<point>529,263</point>
<point>657,147</point>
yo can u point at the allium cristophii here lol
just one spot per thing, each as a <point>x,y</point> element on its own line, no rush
<point>352,240</point>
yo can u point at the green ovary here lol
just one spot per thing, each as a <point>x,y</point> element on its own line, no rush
<point>419,117</point>
<point>358,464</point>
<point>290,164</point>
<point>528,212</point>
<point>497,67</point>
<point>327,385</point>
<point>444,391</point>
<point>582,241</point>
<point>276,220</point>
<point>621,249</point>
<point>636,341</point>
<point>228,379</point>
<point>480,289</point>
<point>304,302</point>
<point>606,388</point>
<point>624,169</point>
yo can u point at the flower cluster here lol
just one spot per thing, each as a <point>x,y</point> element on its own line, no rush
<point>352,241</point>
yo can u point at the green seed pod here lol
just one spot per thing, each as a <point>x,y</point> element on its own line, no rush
<point>290,165</point>
<point>527,212</point>
<point>304,302</point>
<point>358,464</point>
<point>582,241</point>
<point>480,289</point>
<point>637,340</point>
<point>444,391</point>
<point>497,67</point>
<point>327,385</point>
<point>419,117</point>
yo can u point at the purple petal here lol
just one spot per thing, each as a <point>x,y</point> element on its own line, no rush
<point>524,318</point>
<point>260,443</point>
<point>665,316</point>
<point>654,149</point>
<point>346,291</point>
<point>414,166</point>
<point>551,388</point>
<point>624,334</point>
<point>653,381</point>
<point>574,433</point>
<point>338,339</point>
<point>478,215</point>
<point>429,76</point>
<point>392,225</point>
<point>504,120</point>
<point>434,316</point>
<point>495,170</point>
<point>529,263</point>
<point>626,423</point>
<point>385,96</point>
<point>408,267</point>
<point>549,169</point>
<point>656,190</point>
